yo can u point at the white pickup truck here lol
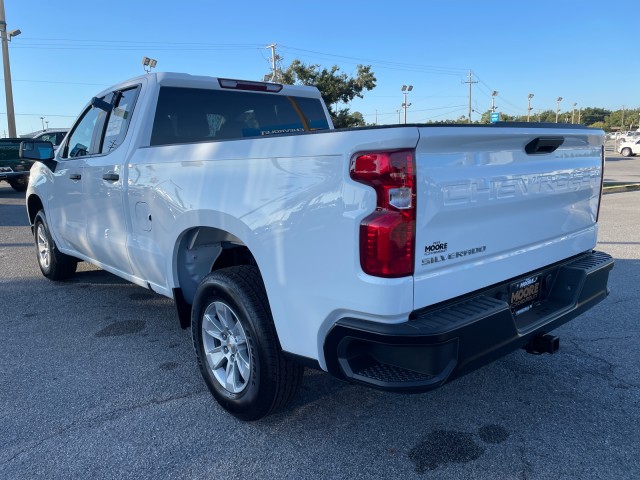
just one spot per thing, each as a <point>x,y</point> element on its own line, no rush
<point>395,257</point>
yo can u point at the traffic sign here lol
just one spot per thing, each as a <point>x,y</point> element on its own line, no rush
<point>495,117</point>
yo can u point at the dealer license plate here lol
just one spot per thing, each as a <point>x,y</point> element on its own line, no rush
<point>524,293</point>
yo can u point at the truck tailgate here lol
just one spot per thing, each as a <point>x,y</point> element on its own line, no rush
<point>496,202</point>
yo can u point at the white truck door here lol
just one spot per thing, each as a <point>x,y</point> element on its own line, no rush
<point>65,211</point>
<point>104,188</point>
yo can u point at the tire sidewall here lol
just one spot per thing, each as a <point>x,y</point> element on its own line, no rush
<point>20,184</point>
<point>220,288</point>
<point>41,223</point>
<point>626,152</point>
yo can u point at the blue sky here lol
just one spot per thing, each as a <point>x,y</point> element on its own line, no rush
<point>584,51</point>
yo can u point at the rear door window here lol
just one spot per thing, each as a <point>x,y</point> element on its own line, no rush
<point>186,115</point>
<point>119,119</point>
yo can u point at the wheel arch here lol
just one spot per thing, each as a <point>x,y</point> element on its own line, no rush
<point>34,205</point>
<point>199,251</point>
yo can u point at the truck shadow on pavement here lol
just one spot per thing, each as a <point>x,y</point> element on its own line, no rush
<point>13,216</point>
<point>97,277</point>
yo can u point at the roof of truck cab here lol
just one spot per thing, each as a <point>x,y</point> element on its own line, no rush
<point>173,79</point>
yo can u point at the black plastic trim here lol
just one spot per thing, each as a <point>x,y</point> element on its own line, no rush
<point>183,308</point>
<point>302,360</point>
<point>441,344</point>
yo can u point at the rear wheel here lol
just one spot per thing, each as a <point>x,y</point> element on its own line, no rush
<point>19,184</point>
<point>626,152</point>
<point>237,346</point>
<point>54,264</point>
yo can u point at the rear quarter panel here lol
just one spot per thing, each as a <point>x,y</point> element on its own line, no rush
<point>291,201</point>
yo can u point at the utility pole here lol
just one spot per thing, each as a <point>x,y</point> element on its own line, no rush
<point>529,107</point>
<point>579,114</point>
<point>470,81</point>
<point>11,116</point>
<point>622,118</point>
<point>398,112</point>
<point>573,111</point>
<point>274,71</point>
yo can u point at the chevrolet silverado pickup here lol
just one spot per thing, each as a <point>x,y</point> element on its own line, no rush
<point>397,257</point>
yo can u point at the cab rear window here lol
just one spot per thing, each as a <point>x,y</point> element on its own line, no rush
<point>186,115</point>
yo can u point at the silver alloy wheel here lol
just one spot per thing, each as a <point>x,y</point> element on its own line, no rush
<point>43,247</point>
<point>226,348</point>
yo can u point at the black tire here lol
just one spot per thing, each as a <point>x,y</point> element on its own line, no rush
<point>271,380</point>
<point>19,184</point>
<point>54,264</point>
<point>626,152</point>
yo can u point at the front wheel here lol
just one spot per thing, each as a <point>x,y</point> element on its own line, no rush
<point>626,152</point>
<point>54,264</point>
<point>237,346</point>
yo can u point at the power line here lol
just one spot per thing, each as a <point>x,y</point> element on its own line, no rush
<point>444,114</point>
<point>383,63</point>
<point>41,115</point>
<point>58,82</point>
<point>415,111</point>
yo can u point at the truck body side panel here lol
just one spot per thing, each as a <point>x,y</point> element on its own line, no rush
<point>297,211</point>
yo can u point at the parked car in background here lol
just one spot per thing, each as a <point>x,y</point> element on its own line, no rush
<point>629,136</point>
<point>53,135</point>
<point>628,149</point>
<point>13,169</point>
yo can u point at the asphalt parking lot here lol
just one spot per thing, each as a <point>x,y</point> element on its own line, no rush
<point>98,380</point>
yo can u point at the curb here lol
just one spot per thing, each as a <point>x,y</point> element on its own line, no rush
<point>620,187</point>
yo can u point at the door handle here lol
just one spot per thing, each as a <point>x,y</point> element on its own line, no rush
<point>111,177</point>
<point>542,145</point>
<point>75,176</point>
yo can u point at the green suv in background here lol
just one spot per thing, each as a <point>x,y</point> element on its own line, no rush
<point>13,169</point>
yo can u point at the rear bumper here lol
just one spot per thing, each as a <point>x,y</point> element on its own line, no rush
<point>452,339</point>
<point>8,176</point>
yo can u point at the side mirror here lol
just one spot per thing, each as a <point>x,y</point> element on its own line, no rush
<point>39,151</point>
<point>101,104</point>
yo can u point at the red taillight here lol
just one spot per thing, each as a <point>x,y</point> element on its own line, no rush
<point>387,236</point>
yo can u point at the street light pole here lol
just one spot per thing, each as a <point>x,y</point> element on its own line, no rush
<point>529,107</point>
<point>42,120</point>
<point>558,108</point>
<point>405,90</point>
<point>11,116</point>
<point>494,94</point>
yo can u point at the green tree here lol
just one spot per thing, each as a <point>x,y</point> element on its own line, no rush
<point>337,88</point>
<point>590,115</point>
